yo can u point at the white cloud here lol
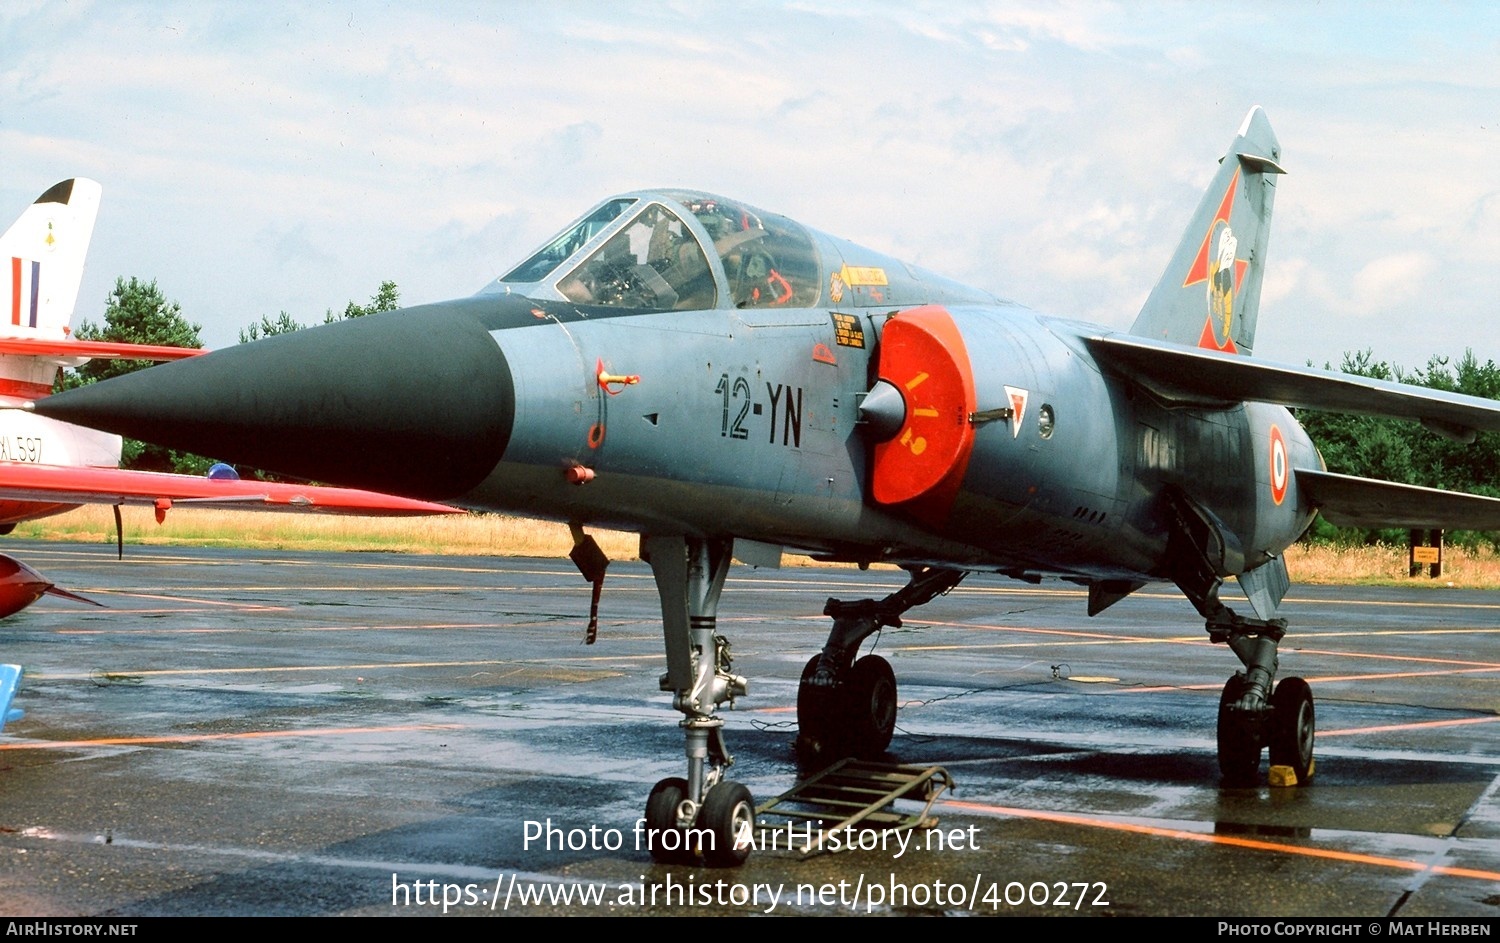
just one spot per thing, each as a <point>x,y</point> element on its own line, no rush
<point>1389,281</point>
<point>1049,153</point>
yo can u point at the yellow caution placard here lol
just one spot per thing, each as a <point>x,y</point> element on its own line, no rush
<point>864,275</point>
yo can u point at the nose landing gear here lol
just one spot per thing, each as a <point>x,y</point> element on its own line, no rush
<point>704,815</point>
<point>847,707</point>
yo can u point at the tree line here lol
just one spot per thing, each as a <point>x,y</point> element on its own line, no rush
<point>1394,450</point>
<point>137,312</point>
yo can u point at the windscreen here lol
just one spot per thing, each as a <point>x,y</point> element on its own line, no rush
<point>546,261</point>
<point>653,263</point>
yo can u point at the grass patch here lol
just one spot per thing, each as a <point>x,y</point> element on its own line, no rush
<point>469,534</point>
<point>507,536</point>
<point>1385,565</point>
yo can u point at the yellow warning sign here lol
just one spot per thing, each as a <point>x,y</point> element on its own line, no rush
<point>864,275</point>
<point>847,331</point>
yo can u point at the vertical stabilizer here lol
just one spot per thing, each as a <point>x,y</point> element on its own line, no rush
<point>41,260</point>
<point>1209,295</point>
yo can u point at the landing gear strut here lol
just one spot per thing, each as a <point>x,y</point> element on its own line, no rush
<point>1251,716</point>
<point>847,707</point>
<point>704,815</point>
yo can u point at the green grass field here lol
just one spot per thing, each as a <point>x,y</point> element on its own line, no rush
<point>481,534</point>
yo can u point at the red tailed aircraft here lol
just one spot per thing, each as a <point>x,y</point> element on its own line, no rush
<point>48,467</point>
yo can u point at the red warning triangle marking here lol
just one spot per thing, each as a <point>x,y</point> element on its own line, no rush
<point>1198,272</point>
<point>1018,398</point>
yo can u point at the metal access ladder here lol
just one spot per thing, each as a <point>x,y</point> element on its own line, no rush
<point>855,793</point>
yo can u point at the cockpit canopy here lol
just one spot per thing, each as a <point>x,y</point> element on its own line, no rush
<point>678,250</point>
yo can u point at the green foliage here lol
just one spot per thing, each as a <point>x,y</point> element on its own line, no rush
<point>266,327</point>
<point>137,312</point>
<point>1395,450</point>
<point>386,298</point>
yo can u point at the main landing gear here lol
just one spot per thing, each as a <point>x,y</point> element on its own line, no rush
<point>847,707</point>
<point>1251,717</point>
<point>1249,721</point>
<point>1200,551</point>
<point>705,815</point>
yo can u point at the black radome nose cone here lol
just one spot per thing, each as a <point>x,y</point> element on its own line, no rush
<point>417,402</point>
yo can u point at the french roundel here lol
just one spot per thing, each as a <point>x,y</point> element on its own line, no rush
<point>1279,469</point>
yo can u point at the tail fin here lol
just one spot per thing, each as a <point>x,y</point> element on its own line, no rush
<point>1209,295</point>
<point>41,260</point>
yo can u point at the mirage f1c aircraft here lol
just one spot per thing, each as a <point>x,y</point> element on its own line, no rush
<point>727,382</point>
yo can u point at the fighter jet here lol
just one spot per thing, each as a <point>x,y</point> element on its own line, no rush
<point>729,383</point>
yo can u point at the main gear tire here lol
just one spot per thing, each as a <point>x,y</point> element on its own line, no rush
<point>1239,750</point>
<point>1293,728</point>
<point>869,701</point>
<point>817,716</point>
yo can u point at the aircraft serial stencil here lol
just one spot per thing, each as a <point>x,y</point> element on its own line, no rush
<point>727,382</point>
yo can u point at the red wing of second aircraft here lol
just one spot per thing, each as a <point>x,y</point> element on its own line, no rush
<point>58,484</point>
<point>39,347</point>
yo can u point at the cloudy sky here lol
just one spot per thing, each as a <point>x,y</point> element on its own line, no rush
<point>265,157</point>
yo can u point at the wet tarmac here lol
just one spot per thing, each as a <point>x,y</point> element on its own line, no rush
<point>244,732</point>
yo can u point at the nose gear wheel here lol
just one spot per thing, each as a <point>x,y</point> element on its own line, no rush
<point>662,809</point>
<point>728,815</point>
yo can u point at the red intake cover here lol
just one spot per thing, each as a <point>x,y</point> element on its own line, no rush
<point>922,354</point>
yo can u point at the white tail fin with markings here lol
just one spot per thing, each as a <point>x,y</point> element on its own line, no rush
<point>41,260</point>
<point>41,267</point>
